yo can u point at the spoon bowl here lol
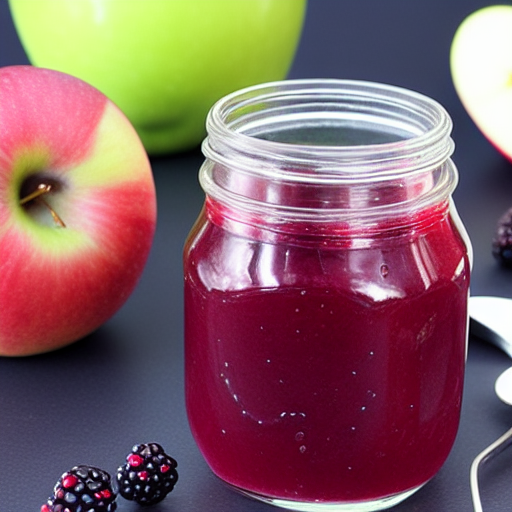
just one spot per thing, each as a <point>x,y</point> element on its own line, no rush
<point>503,386</point>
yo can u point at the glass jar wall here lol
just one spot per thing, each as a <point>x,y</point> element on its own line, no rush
<point>326,285</point>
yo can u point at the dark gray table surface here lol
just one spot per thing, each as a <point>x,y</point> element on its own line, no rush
<point>90,402</point>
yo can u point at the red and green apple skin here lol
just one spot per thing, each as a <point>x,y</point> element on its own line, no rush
<point>59,283</point>
<point>481,67</point>
<point>164,63</point>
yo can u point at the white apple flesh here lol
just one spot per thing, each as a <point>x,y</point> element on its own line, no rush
<point>77,209</point>
<point>481,66</point>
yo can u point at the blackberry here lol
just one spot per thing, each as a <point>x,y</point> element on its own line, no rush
<point>502,242</point>
<point>82,489</point>
<point>148,475</point>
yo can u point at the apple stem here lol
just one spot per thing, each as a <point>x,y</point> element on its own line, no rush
<point>53,213</point>
<point>43,188</point>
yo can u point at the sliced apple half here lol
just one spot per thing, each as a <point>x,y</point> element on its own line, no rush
<point>481,67</point>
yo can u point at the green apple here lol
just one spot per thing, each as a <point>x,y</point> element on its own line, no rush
<point>163,62</point>
<point>481,66</point>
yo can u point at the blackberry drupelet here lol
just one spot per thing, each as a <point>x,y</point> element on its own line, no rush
<point>148,475</point>
<point>502,242</point>
<point>82,489</point>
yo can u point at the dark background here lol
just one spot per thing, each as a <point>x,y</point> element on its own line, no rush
<point>90,402</point>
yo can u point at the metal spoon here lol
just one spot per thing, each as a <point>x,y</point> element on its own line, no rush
<point>504,391</point>
<point>491,319</point>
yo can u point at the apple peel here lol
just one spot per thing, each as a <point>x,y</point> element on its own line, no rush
<point>77,209</point>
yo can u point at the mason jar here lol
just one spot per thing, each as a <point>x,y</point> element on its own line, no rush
<point>326,287</point>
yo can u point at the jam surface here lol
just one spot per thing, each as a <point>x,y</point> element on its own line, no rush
<point>320,373</point>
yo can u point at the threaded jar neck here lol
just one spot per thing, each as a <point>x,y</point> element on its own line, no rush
<point>325,149</point>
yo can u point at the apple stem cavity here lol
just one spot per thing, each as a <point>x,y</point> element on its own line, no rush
<point>37,195</point>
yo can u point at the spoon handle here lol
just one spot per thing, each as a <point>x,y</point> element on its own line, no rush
<point>491,451</point>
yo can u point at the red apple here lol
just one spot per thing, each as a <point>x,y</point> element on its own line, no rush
<point>77,209</point>
<point>481,67</point>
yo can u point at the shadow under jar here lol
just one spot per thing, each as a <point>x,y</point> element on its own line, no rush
<point>326,286</point>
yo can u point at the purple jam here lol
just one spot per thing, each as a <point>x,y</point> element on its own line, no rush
<point>328,373</point>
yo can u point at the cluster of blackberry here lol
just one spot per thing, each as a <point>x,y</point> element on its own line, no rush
<point>147,477</point>
<point>82,489</point>
<point>502,242</point>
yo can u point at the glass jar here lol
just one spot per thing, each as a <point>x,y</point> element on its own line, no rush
<point>326,286</point>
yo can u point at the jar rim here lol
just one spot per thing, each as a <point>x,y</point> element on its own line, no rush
<point>235,122</point>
